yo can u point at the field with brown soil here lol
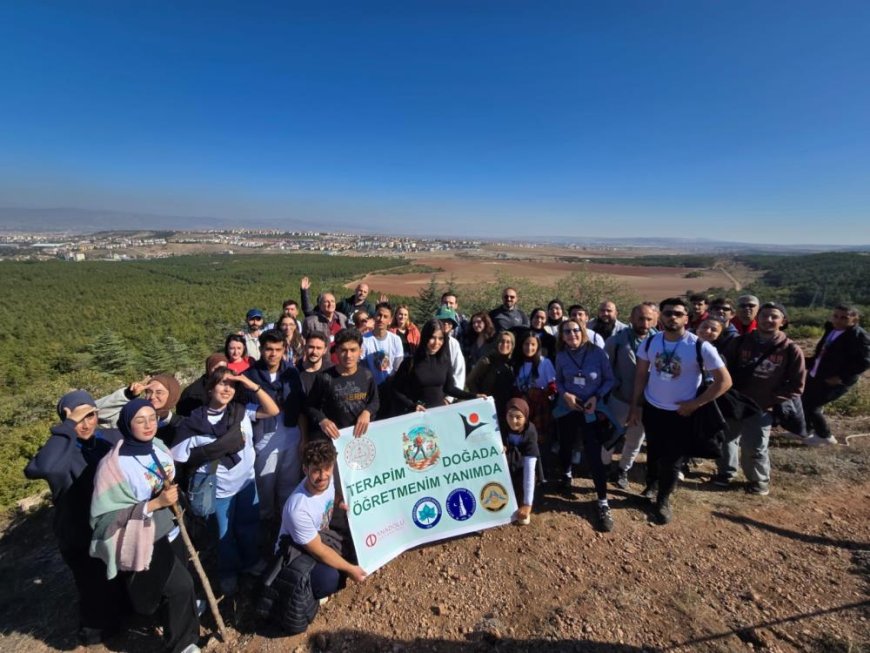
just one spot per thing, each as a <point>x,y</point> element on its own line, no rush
<point>788,572</point>
<point>654,283</point>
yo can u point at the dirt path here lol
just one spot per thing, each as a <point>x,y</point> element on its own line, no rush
<point>731,277</point>
<point>788,572</point>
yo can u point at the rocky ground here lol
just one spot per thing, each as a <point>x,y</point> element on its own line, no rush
<point>787,572</point>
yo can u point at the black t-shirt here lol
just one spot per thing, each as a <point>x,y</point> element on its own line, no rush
<point>342,398</point>
<point>426,381</point>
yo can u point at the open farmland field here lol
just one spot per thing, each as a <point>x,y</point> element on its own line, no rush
<point>653,283</point>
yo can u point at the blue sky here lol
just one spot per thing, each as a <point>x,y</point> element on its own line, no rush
<point>739,120</point>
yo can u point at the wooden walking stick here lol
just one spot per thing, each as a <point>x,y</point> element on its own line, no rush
<point>203,578</point>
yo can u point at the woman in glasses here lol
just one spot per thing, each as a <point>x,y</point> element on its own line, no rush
<point>68,462</point>
<point>294,343</point>
<point>479,339</point>
<point>583,378</point>
<point>135,533</point>
<point>162,390</point>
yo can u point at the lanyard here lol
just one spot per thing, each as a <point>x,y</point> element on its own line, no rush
<point>582,360</point>
<point>668,356</point>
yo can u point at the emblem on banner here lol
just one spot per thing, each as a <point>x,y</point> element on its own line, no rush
<point>420,448</point>
<point>493,497</point>
<point>426,512</point>
<point>461,504</point>
<point>471,423</point>
<point>360,453</point>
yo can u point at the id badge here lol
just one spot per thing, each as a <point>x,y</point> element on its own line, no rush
<point>580,380</point>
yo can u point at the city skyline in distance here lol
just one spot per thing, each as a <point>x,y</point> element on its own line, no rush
<point>738,123</point>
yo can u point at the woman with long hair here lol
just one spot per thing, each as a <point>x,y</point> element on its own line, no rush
<point>538,326</point>
<point>479,338</point>
<point>217,439</point>
<point>407,331</point>
<point>294,343</point>
<point>236,351</point>
<point>555,317</point>
<point>493,374</point>
<point>426,379</point>
<point>583,378</point>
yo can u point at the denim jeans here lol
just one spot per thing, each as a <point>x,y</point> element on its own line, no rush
<point>750,436</point>
<point>236,522</point>
<point>634,435</point>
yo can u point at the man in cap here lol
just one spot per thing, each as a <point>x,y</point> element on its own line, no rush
<point>254,320</point>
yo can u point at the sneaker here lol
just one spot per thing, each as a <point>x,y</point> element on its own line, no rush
<point>605,519</point>
<point>324,600</point>
<point>650,491</point>
<point>663,512</point>
<point>816,441</point>
<point>622,480</point>
<point>721,480</point>
<point>524,515</point>
<point>201,605</point>
<point>681,476</point>
<point>758,488</point>
<point>191,648</point>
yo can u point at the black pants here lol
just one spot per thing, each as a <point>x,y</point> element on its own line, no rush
<point>667,433</point>
<point>102,602</point>
<point>166,587</point>
<point>816,394</point>
<point>571,427</point>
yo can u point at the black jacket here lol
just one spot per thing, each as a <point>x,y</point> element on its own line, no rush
<point>68,465</point>
<point>847,357</point>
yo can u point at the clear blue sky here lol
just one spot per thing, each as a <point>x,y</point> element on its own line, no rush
<point>740,120</point>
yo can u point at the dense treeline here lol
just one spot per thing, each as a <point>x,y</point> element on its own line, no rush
<point>100,324</point>
<point>813,280</point>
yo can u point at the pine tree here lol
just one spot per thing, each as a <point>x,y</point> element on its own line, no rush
<point>111,354</point>
<point>428,301</point>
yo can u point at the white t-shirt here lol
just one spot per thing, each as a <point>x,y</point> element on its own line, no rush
<point>229,481</point>
<point>596,338</point>
<point>387,350</point>
<point>305,514</point>
<point>145,477</point>
<point>674,375</point>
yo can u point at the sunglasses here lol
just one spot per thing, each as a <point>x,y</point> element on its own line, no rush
<point>723,308</point>
<point>574,330</point>
<point>748,305</point>
<point>674,314</point>
<point>509,296</point>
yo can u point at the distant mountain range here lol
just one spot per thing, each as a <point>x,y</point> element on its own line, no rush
<point>81,221</point>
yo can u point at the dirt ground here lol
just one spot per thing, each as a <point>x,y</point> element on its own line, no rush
<point>654,283</point>
<point>788,572</point>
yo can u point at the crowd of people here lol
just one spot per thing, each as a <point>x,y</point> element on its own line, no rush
<point>247,447</point>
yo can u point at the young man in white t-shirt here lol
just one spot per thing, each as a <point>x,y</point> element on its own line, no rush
<point>665,385</point>
<point>382,350</point>
<point>308,511</point>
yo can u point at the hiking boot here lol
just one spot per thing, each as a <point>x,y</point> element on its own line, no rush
<point>605,519</point>
<point>622,480</point>
<point>816,441</point>
<point>663,512</point>
<point>650,491</point>
<point>721,480</point>
<point>758,488</point>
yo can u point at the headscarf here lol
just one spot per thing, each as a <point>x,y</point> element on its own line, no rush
<point>132,446</point>
<point>212,361</point>
<point>78,402</point>
<point>171,384</point>
<point>519,404</point>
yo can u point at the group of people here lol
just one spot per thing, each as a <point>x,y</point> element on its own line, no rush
<point>247,447</point>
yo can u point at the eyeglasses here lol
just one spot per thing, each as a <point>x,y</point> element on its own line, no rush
<point>509,296</point>
<point>574,330</point>
<point>674,314</point>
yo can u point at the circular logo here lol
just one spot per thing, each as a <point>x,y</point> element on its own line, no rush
<point>359,453</point>
<point>420,448</point>
<point>371,540</point>
<point>426,512</point>
<point>461,504</point>
<point>493,497</point>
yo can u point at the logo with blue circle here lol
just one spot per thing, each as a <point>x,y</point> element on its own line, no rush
<point>426,512</point>
<point>461,504</point>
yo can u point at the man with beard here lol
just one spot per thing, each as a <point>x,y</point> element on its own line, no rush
<point>665,396</point>
<point>508,316</point>
<point>768,368</point>
<point>314,361</point>
<point>357,301</point>
<point>841,356</point>
<point>607,324</point>
<point>449,300</point>
<point>254,320</point>
<point>621,349</point>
